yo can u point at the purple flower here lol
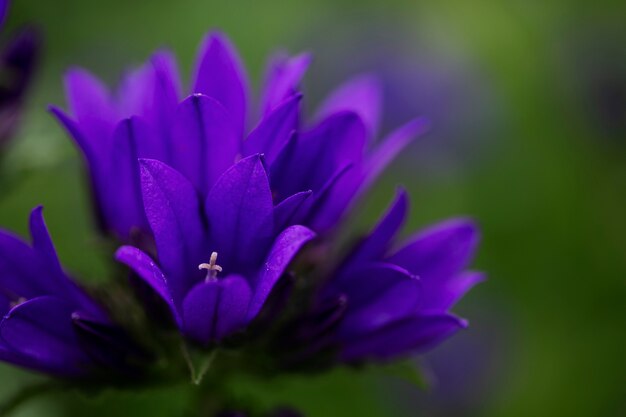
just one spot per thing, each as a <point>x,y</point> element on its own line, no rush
<point>49,324</point>
<point>318,170</point>
<point>219,257</point>
<point>384,302</point>
<point>18,59</point>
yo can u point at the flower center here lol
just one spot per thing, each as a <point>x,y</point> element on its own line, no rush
<point>212,268</point>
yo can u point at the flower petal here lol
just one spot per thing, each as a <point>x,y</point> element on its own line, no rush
<point>174,214</point>
<point>215,309</point>
<point>219,74</point>
<point>362,95</point>
<point>286,245</point>
<point>41,328</point>
<point>275,129</point>
<point>148,270</point>
<point>88,97</point>
<point>409,336</point>
<point>240,213</point>
<point>450,292</point>
<point>390,147</point>
<point>42,243</point>
<point>282,79</point>
<point>308,161</point>
<point>206,141</point>
<point>287,210</point>
<point>438,254</point>
<point>376,244</point>
<point>123,204</point>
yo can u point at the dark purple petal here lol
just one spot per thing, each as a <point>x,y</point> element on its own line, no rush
<point>92,151</point>
<point>376,244</point>
<point>362,95</point>
<point>123,203</point>
<point>152,92</point>
<point>216,308</point>
<point>205,141</point>
<point>287,210</point>
<point>365,283</point>
<point>240,213</point>
<point>286,245</point>
<point>174,213</point>
<point>326,207</point>
<point>219,74</point>
<point>438,254</point>
<point>42,243</point>
<point>272,134</point>
<point>233,305</point>
<point>200,311</point>
<point>283,76</point>
<point>22,272</point>
<point>308,161</point>
<point>409,336</point>
<point>451,291</point>
<point>41,328</point>
<point>148,270</point>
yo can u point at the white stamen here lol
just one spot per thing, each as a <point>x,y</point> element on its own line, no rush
<point>212,267</point>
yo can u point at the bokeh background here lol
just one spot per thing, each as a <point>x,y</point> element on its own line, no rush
<point>528,102</point>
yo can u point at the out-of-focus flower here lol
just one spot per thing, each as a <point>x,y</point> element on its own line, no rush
<point>236,233</point>
<point>421,71</point>
<point>383,303</point>
<point>49,324</point>
<point>18,59</point>
<point>326,166</point>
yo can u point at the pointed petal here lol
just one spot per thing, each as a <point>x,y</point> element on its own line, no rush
<point>287,210</point>
<point>123,205</point>
<point>271,135</point>
<point>21,270</point>
<point>220,74</point>
<point>409,336</point>
<point>88,97</point>
<point>438,254</point>
<point>362,95</point>
<point>174,214</point>
<point>450,292</point>
<point>283,76</point>
<point>41,328</point>
<point>90,149</point>
<point>149,271</point>
<point>377,294</point>
<point>327,206</point>
<point>286,246</point>
<point>366,283</point>
<point>42,243</point>
<point>317,154</point>
<point>390,147</point>
<point>376,244</point>
<point>206,141</point>
<point>240,209</point>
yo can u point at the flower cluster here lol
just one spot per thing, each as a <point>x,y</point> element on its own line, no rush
<point>226,211</point>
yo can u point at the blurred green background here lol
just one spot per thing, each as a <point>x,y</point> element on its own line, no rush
<point>528,99</point>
